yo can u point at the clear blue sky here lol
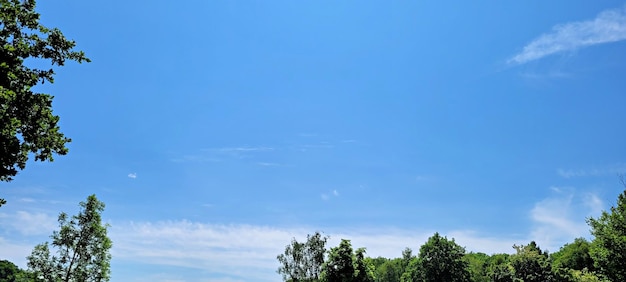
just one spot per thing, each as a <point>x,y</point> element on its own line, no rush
<point>215,131</point>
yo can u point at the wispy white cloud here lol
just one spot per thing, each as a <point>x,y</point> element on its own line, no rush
<point>612,170</point>
<point>248,252</point>
<point>327,196</point>
<point>240,252</point>
<point>321,145</point>
<point>29,223</point>
<point>199,158</point>
<point>608,26</point>
<point>561,218</point>
<point>241,149</point>
<point>594,204</point>
<point>15,251</point>
<point>132,175</point>
<point>214,155</point>
<point>27,200</point>
<point>236,251</point>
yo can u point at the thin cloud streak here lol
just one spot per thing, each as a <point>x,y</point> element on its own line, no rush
<point>614,170</point>
<point>608,26</point>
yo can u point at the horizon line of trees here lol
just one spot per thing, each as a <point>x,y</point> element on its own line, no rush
<point>440,259</point>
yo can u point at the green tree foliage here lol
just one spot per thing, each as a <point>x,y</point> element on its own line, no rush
<point>608,249</point>
<point>387,270</point>
<point>502,273</point>
<point>411,272</point>
<point>531,264</point>
<point>441,260</point>
<point>27,124</point>
<point>498,268</point>
<point>573,256</point>
<point>9,272</point>
<point>477,265</point>
<point>585,276</point>
<point>340,264</point>
<point>303,261</point>
<point>363,268</point>
<point>346,265</point>
<point>82,248</point>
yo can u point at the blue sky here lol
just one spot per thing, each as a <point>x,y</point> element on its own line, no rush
<point>215,131</point>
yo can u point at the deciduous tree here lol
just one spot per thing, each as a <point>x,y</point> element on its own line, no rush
<point>363,268</point>
<point>340,264</point>
<point>27,123</point>
<point>303,261</point>
<point>441,260</point>
<point>531,264</point>
<point>608,248</point>
<point>574,256</point>
<point>82,247</point>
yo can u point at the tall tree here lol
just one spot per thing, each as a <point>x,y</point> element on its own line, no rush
<point>82,248</point>
<point>608,248</point>
<point>363,268</point>
<point>531,264</point>
<point>340,264</point>
<point>27,124</point>
<point>303,261</point>
<point>441,260</point>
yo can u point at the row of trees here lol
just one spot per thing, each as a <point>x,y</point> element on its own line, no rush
<point>442,260</point>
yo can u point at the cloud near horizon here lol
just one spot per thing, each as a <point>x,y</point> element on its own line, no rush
<point>608,26</point>
<point>246,252</point>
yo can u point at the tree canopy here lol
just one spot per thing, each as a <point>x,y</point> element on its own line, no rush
<point>603,259</point>
<point>608,248</point>
<point>303,261</point>
<point>82,247</point>
<point>442,260</point>
<point>27,123</point>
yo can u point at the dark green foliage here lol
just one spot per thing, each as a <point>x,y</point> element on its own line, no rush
<point>502,273</point>
<point>441,260</point>
<point>345,265</point>
<point>531,264</point>
<point>363,269</point>
<point>340,264</point>
<point>82,247</point>
<point>608,249</point>
<point>27,124</point>
<point>9,272</point>
<point>303,261</point>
